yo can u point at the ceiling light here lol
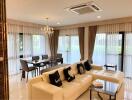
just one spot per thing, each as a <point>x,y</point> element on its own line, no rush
<point>47,29</point>
<point>98,17</point>
<point>58,23</point>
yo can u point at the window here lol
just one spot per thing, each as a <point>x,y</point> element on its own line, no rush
<point>107,49</point>
<point>99,49</point>
<point>38,44</point>
<point>13,53</point>
<point>23,45</point>
<point>128,55</point>
<point>69,47</point>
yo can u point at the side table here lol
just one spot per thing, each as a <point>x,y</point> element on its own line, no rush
<point>110,66</point>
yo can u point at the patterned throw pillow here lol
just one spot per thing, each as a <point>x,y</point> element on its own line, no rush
<point>55,79</point>
<point>68,74</point>
<point>80,68</point>
<point>87,65</point>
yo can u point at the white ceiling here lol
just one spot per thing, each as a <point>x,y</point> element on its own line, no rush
<point>36,10</point>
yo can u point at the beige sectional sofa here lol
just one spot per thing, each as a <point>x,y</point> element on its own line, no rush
<point>39,88</point>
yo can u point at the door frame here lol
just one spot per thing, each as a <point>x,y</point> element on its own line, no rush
<point>122,49</point>
<point>4,84</point>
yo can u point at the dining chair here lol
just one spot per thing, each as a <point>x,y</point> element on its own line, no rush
<point>36,58</point>
<point>59,55</point>
<point>45,57</point>
<point>53,61</point>
<point>47,62</point>
<point>27,69</point>
<point>59,58</point>
<point>39,65</point>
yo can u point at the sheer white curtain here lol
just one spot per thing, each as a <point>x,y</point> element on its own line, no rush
<point>100,49</point>
<point>13,48</point>
<point>27,45</point>
<point>22,45</point>
<point>69,45</point>
<point>38,43</point>
<point>128,55</point>
<point>107,48</point>
<point>13,53</point>
<point>128,50</point>
<point>113,50</point>
<point>112,46</point>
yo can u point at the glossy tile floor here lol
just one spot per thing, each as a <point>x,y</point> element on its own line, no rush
<point>18,90</point>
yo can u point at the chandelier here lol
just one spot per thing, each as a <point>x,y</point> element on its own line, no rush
<point>47,29</point>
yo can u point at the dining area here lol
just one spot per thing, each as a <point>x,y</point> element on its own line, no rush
<point>36,65</point>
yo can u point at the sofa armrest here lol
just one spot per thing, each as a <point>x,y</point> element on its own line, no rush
<point>46,91</point>
<point>96,67</point>
<point>35,80</point>
<point>31,82</point>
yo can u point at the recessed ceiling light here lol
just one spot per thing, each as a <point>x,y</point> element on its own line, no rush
<point>58,23</point>
<point>98,17</point>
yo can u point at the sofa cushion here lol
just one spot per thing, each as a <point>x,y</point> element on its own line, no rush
<point>74,89</point>
<point>71,90</point>
<point>87,65</point>
<point>83,79</point>
<point>74,69</point>
<point>111,76</point>
<point>68,74</point>
<point>80,68</point>
<point>55,79</point>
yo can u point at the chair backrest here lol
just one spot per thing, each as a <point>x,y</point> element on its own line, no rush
<point>35,58</point>
<point>59,55</point>
<point>44,56</point>
<point>24,65</point>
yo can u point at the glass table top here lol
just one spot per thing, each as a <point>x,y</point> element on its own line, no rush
<point>108,87</point>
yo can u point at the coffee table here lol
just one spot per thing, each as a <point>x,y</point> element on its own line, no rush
<point>109,88</point>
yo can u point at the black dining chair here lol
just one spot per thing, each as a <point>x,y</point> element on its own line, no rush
<point>35,58</point>
<point>53,61</point>
<point>27,69</point>
<point>45,57</point>
<point>39,65</point>
<point>59,58</point>
<point>46,62</point>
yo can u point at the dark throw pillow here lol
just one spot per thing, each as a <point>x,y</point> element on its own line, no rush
<point>87,65</point>
<point>80,68</point>
<point>68,75</point>
<point>55,79</point>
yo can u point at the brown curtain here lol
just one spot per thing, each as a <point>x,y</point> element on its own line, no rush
<point>53,43</point>
<point>81,41</point>
<point>91,41</point>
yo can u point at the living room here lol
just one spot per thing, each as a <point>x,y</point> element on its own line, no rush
<point>90,41</point>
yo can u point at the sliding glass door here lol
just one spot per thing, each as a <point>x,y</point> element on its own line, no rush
<point>75,51</point>
<point>128,55</point>
<point>113,49</point>
<point>69,47</point>
<point>107,49</point>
